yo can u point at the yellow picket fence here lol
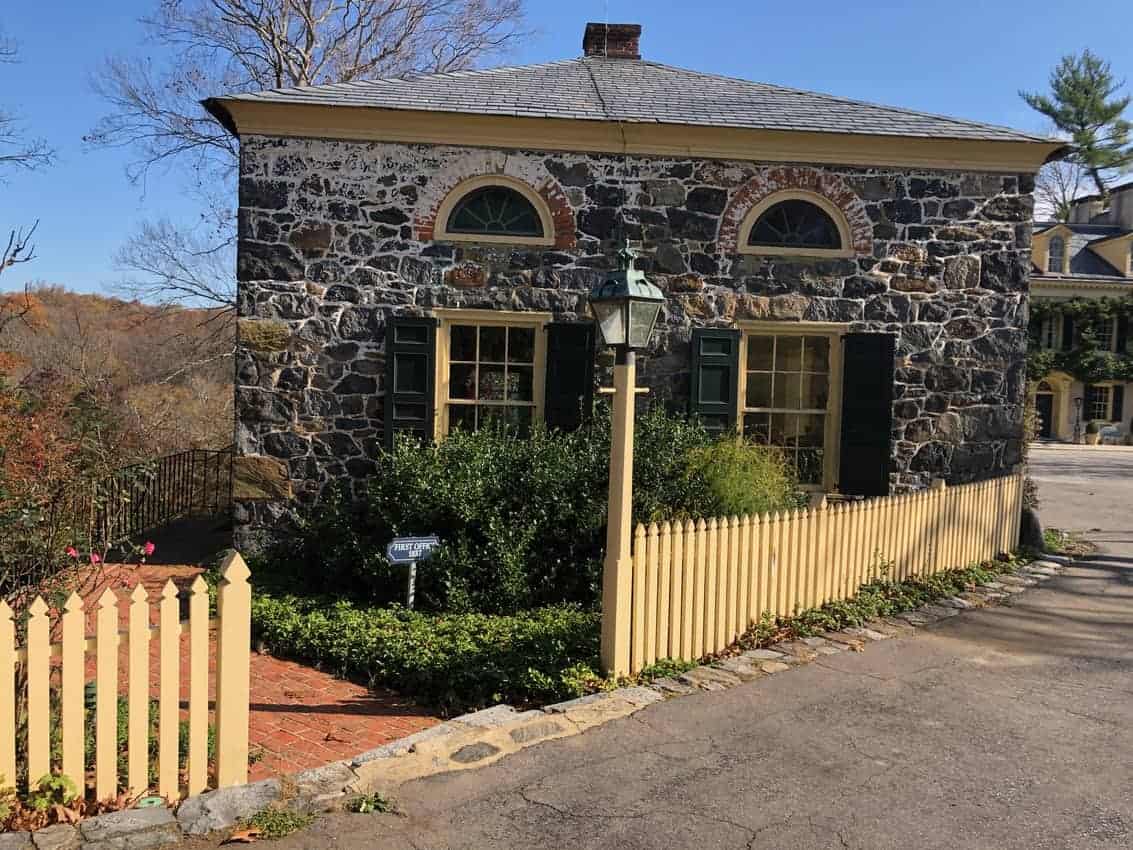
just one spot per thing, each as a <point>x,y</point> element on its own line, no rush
<point>697,586</point>
<point>56,676</point>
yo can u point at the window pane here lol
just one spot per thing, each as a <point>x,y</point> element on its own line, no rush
<point>463,342</point>
<point>521,345</point>
<point>462,416</point>
<point>789,354</point>
<point>784,426</point>
<point>812,430</point>
<point>757,427</point>
<point>758,389</point>
<point>759,353</point>
<point>462,381</point>
<point>520,383</point>
<point>788,392</point>
<point>493,344</point>
<point>491,383</point>
<point>521,417</point>
<point>810,466</point>
<point>815,391</point>
<point>817,354</point>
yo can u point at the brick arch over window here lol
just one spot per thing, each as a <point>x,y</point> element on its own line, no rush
<point>786,180</point>
<point>541,189</point>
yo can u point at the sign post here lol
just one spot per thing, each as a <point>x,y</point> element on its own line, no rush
<point>410,550</point>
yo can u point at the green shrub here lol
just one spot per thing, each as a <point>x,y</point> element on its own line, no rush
<point>453,662</point>
<point>522,520</point>
<point>744,478</point>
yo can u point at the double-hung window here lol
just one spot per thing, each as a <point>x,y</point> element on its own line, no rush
<point>789,396</point>
<point>1098,402</point>
<point>1049,332</point>
<point>490,369</point>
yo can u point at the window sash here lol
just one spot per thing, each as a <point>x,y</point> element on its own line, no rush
<point>479,320</point>
<point>828,450</point>
<point>1099,401</point>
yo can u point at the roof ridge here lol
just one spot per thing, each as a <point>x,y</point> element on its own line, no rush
<point>848,100</point>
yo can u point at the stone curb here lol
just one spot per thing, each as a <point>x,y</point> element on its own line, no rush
<point>483,737</point>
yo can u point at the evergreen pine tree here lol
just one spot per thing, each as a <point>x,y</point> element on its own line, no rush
<point>1084,103</point>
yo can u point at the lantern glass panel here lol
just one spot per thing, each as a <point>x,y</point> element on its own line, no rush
<point>642,317</point>
<point>611,321</point>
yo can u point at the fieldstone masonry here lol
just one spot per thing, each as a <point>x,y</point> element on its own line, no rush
<point>335,236</point>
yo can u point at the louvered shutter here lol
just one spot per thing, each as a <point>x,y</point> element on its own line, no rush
<point>867,414</point>
<point>570,375</point>
<point>715,378</point>
<point>410,377</point>
<point>1122,333</point>
<point>1118,402</point>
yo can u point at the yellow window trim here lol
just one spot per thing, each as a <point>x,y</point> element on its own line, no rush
<point>1040,248</point>
<point>832,449</point>
<point>440,227</point>
<point>824,204</point>
<point>495,318</point>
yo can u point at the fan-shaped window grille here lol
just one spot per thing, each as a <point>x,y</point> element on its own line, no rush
<point>495,211</point>
<point>795,224</point>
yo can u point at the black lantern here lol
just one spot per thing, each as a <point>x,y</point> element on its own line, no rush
<point>626,305</point>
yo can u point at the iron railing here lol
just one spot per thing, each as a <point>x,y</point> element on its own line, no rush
<point>137,498</point>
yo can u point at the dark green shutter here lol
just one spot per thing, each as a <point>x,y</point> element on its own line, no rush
<point>1118,402</point>
<point>867,414</point>
<point>715,366</point>
<point>1122,333</point>
<point>1067,333</point>
<point>411,366</point>
<point>570,374</point>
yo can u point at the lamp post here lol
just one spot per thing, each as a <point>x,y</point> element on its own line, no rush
<point>1077,419</point>
<point>626,306</point>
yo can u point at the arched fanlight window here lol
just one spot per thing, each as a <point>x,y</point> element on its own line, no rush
<point>495,211</point>
<point>1055,255</point>
<point>795,223</point>
<point>1044,387</point>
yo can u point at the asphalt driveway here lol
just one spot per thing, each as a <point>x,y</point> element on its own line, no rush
<point>1001,728</point>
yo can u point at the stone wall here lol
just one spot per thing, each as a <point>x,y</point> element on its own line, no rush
<point>335,236</point>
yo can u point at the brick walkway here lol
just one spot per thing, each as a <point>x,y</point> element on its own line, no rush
<point>300,717</point>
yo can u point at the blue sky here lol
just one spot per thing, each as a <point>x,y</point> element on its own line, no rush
<point>966,58</point>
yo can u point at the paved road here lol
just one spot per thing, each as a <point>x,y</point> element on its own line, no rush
<point>1004,728</point>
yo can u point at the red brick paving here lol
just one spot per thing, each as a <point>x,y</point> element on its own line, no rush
<point>300,717</point>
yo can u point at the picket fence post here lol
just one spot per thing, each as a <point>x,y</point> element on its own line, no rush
<point>233,659</point>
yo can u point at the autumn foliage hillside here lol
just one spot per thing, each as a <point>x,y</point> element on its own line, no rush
<point>89,384</point>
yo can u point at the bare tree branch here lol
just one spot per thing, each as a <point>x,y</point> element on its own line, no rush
<point>1057,185</point>
<point>19,248</point>
<point>16,150</point>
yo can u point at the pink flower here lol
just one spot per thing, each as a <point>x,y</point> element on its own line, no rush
<point>148,548</point>
<point>95,558</point>
<point>72,552</point>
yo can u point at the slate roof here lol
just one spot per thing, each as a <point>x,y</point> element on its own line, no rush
<point>1083,261</point>
<point>633,91</point>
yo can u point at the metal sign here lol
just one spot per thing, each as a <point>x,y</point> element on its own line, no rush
<point>409,550</point>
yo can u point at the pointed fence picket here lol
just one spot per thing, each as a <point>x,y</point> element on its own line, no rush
<point>698,585</point>
<point>56,683</point>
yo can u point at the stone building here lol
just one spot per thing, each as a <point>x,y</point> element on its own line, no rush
<point>846,280</point>
<point>1089,257</point>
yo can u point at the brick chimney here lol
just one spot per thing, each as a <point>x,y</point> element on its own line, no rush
<point>618,41</point>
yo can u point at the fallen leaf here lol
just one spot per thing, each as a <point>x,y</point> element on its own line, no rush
<point>244,836</point>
